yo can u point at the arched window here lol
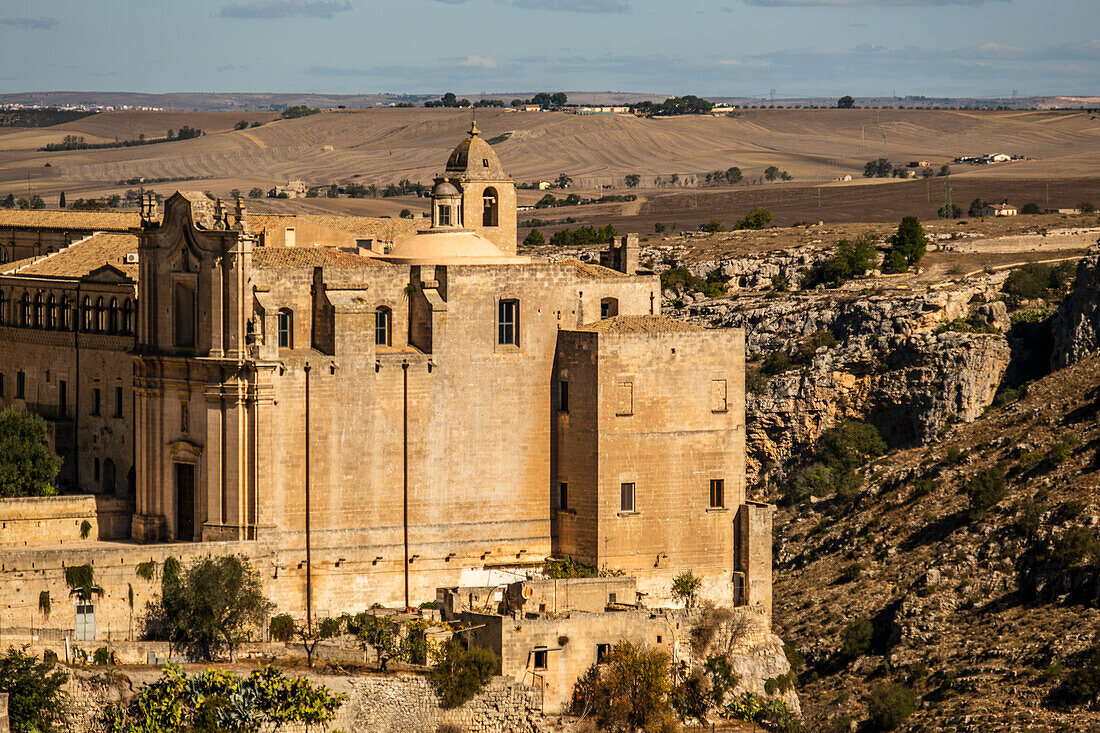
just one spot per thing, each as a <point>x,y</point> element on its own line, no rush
<point>66,314</point>
<point>128,317</point>
<point>609,307</point>
<point>112,317</point>
<point>100,316</point>
<point>24,310</point>
<point>87,316</point>
<point>489,208</point>
<point>286,328</point>
<point>37,323</point>
<point>382,326</point>
<point>51,313</point>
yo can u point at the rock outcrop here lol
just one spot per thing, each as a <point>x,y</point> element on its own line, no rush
<point>1076,326</point>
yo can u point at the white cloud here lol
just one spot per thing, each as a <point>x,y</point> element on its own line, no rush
<point>270,9</point>
<point>31,24</point>
<point>573,6</point>
<point>478,62</point>
<point>862,3</point>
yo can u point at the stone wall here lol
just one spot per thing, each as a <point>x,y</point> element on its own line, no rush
<point>4,713</point>
<point>37,520</point>
<point>396,703</point>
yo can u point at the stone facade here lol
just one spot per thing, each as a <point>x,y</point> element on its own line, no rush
<point>374,426</point>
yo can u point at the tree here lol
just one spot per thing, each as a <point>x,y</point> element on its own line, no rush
<point>243,124</point>
<point>405,214</point>
<point>909,243</point>
<point>9,201</point>
<point>217,700</point>
<point>563,181</point>
<point>1031,208</point>
<point>712,226</point>
<point>630,690</point>
<point>208,609</point>
<point>945,170</point>
<point>850,259</point>
<point>534,238</point>
<point>558,99</point>
<point>235,194</point>
<point>37,202</point>
<point>658,228</point>
<point>23,204</point>
<point>845,102</point>
<point>36,700</point>
<point>976,207</point>
<point>27,465</point>
<point>632,180</point>
<point>984,490</point>
<point>61,201</point>
<point>462,673</point>
<point>733,175</point>
<point>685,588</point>
<point>880,168</point>
<point>771,173</point>
<point>285,629</point>
<point>949,211</point>
<point>256,193</point>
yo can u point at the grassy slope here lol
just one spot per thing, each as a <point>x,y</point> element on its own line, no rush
<point>983,644</point>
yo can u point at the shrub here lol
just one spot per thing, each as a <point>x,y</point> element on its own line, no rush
<point>908,244</point>
<point>955,456</point>
<point>1082,685</point>
<point>890,706</point>
<point>1076,546</point>
<point>849,260</point>
<point>1031,208</point>
<point>462,673</point>
<point>755,219</point>
<point>851,573</point>
<point>985,489</point>
<point>721,677</point>
<point>685,588</point>
<point>282,627</point>
<point>855,639</point>
<point>534,238</point>
<point>102,656</point>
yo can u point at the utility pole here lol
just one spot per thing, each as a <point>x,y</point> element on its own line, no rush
<point>947,206</point>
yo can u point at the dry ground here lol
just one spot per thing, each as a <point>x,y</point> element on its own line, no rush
<point>386,145</point>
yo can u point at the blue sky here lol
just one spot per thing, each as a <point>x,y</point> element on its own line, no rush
<point>706,47</point>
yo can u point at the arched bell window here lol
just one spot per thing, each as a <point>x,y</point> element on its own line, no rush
<point>489,207</point>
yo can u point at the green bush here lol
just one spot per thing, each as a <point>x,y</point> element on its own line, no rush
<point>462,673</point>
<point>534,238</point>
<point>102,656</point>
<point>1077,546</point>
<point>851,573</point>
<point>282,627</point>
<point>890,706</point>
<point>985,489</point>
<point>849,260</point>
<point>855,639</point>
<point>631,689</point>
<point>685,588</point>
<point>1082,685</point>
<point>907,245</point>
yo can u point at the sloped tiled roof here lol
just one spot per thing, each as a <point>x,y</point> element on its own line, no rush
<point>84,257</point>
<point>292,257</point>
<point>587,269</point>
<point>60,219</point>
<point>640,324</point>
<point>360,226</point>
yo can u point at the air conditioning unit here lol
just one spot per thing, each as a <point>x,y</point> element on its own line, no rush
<point>131,258</point>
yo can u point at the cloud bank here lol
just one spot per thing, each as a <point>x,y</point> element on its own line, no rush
<point>31,24</point>
<point>273,9</point>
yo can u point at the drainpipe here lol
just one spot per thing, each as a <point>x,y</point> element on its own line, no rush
<point>405,468</point>
<point>309,564</point>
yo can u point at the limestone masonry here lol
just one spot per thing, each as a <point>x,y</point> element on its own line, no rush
<point>368,412</point>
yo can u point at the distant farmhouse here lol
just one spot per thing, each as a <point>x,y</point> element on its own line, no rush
<point>1000,210</point>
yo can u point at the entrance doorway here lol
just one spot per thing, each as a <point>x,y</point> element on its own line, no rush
<point>185,502</point>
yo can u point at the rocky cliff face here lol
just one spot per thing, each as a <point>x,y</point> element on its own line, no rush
<point>1076,326</point>
<point>889,365</point>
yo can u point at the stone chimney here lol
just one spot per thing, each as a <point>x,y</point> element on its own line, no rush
<point>622,254</point>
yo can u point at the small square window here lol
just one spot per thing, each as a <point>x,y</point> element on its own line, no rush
<point>539,658</point>
<point>659,637</point>
<point>626,503</point>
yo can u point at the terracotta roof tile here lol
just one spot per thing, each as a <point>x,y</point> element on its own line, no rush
<point>360,226</point>
<point>292,257</point>
<point>586,269</point>
<point>84,257</point>
<point>641,324</point>
<point>55,219</point>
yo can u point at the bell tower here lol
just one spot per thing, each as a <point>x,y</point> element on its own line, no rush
<point>488,193</point>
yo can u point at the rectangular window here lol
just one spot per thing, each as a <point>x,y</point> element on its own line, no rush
<point>563,496</point>
<point>444,216</point>
<point>185,418</point>
<point>118,401</point>
<point>718,401</point>
<point>95,401</point>
<point>382,327</point>
<point>20,386</point>
<point>626,501</point>
<point>185,314</point>
<point>563,396</point>
<point>508,323</point>
<point>717,493</point>
<point>539,658</point>
<point>602,650</point>
<point>624,398</point>
<point>62,398</point>
<point>285,325</point>
<point>1,384</point>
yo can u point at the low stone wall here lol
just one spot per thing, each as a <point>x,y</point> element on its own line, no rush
<point>34,520</point>
<point>394,703</point>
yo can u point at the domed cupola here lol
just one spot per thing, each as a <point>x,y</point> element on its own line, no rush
<point>446,204</point>
<point>474,159</point>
